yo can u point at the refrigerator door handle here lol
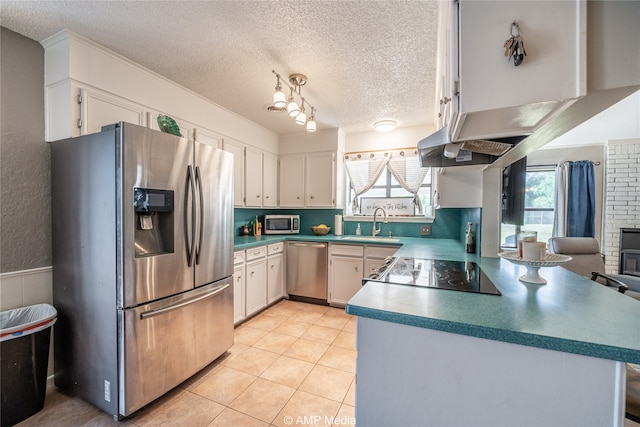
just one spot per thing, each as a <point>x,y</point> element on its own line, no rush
<point>170,307</point>
<point>189,232</point>
<point>201,219</point>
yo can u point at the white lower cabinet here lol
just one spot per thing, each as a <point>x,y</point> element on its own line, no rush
<point>275,272</point>
<point>259,274</point>
<point>239,285</point>
<point>349,264</point>
<point>346,270</point>
<point>256,279</point>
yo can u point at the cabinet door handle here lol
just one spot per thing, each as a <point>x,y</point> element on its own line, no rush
<point>356,268</point>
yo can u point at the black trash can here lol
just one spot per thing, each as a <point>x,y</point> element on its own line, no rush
<point>25,334</point>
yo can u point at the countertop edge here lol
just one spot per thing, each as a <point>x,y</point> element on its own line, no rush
<point>245,242</point>
<point>522,338</point>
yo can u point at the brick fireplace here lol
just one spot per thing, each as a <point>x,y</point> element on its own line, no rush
<point>629,251</point>
<point>622,205</point>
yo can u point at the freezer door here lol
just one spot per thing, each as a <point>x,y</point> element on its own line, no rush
<point>164,343</point>
<point>154,247</point>
<point>214,231</point>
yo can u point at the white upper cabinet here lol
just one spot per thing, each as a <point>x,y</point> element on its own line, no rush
<point>320,181</point>
<point>308,180</point>
<point>253,177</point>
<point>98,109</point>
<point>459,187</point>
<point>237,149</point>
<point>447,64</point>
<point>292,181</point>
<point>205,136</point>
<point>497,98</point>
<point>269,180</point>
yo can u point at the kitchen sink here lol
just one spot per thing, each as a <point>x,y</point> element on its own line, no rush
<point>371,239</point>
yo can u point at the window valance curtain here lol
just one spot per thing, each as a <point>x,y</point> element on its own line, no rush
<point>407,170</point>
<point>364,169</point>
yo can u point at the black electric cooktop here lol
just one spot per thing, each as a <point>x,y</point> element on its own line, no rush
<point>432,273</point>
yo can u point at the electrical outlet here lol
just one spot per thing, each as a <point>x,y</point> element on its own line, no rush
<point>425,230</point>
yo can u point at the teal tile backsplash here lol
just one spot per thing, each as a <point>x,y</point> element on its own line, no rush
<point>448,224</point>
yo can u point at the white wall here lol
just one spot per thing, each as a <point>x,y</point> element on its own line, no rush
<point>312,142</point>
<point>400,138</point>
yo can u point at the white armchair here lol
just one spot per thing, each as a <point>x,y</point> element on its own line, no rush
<point>588,261</point>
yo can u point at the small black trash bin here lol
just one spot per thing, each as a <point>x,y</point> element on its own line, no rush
<point>25,334</point>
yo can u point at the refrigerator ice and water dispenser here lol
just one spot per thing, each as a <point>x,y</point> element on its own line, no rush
<point>154,221</point>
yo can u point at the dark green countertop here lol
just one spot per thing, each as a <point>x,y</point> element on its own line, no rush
<point>570,313</point>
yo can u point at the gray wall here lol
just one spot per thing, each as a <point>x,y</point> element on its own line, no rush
<point>25,192</point>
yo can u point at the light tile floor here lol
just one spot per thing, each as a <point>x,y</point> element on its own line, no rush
<point>293,364</point>
<point>293,360</point>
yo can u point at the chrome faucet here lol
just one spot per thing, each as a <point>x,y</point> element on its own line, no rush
<point>374,231</point>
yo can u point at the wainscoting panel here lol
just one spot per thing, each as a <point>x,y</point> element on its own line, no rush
<point>26,287</point>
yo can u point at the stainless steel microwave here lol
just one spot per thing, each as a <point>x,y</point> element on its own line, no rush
<point>281,224</point>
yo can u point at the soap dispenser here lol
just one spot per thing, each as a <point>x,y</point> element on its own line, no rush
<point>469,239</point>
<point>358,230</point>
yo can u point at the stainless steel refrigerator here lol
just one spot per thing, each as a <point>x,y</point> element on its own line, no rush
<point>142,229</point>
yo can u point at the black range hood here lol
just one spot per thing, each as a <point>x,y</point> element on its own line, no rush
<point>431,150</point>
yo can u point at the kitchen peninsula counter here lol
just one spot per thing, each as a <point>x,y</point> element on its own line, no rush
<point>550,354</point>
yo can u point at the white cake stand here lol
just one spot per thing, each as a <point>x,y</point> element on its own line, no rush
<point>532,276</point>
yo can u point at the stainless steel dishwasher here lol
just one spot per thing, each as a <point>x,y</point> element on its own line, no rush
<point>307,271</point>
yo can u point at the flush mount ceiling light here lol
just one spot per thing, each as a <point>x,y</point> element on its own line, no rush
<point>282,103</point>
<point>385,125</point>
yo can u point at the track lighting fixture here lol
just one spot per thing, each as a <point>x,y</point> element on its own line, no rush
<point>292,106</point>
<point>302,117</point>
<point>311,123</point>
<point>279,98</point>
<point>296,81</point>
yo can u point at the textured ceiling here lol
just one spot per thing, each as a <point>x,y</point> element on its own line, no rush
<point>365,60</point>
